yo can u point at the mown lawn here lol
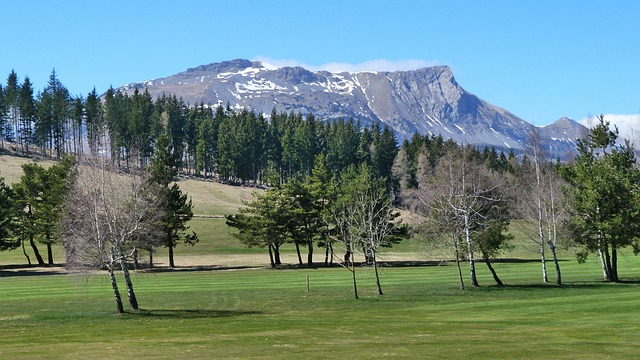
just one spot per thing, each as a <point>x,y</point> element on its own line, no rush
<point>201,312</point>
<point>268,314</point>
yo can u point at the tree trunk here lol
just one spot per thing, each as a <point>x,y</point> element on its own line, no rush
<point>472,265</point>
<point>135,259</point>
<point>455,246</point>
<point>607,261</point>
<point>326,254</point>
<point>32,243</point>
<point>133,301</point>
<point>49,254</point>
<point>310,253</point>
<point>150,258</point>
<point>35,250</point>
<point>24,251</point>
<point>273,264</point>
<point>375,268</point>
<point>605,270</point>
<point>556,263</point>
<point>614,264</point>
<point>276,255</point>
<point>545,278</point>
<point>331,251</point>
<point>553,237</point>
<point>298,252</point>
<point>114,285</point>
<point>493,271</point>
<point>171,263</point>
<point>347,258</point>
<point>368,256</point>
<point>353,275</point>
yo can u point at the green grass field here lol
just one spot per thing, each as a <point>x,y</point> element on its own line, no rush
<point>268,314</point>
<point>223,302</point>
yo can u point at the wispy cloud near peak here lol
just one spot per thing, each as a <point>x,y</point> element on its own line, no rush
<point>371,65</point>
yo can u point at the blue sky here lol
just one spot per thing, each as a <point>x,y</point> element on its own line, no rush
<point>539,59</point>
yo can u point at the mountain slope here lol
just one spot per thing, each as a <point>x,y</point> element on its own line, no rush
<point>426,101</point>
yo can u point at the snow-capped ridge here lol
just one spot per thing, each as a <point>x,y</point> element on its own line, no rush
<point>427,100</point>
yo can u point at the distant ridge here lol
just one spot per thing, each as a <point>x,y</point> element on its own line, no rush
<point>424,101</point>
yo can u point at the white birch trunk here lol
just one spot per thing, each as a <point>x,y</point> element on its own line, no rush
<point>472,265</point>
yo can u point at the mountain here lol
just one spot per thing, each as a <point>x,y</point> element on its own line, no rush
<point>426,101</point>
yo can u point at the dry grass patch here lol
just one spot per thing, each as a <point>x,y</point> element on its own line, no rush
<point>212,198</point>
<point>11,167</point>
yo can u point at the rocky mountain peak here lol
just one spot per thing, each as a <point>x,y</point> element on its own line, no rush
<point>427,100</point>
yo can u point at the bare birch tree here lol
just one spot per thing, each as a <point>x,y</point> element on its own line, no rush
<point>466,197</point>
<point>363,220</point>
<point>540,202</point>
<point>375,223</point>
<point>338,221</point>
<point>107,215</point>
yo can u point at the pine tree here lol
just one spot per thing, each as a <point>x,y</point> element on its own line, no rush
<point>38,203</point>
<point>177,206</point>
<point>27,108</point>
<point>60,110</point>
<point>604,197</point>
<point>8,240</point>
<point>3,116</point>
<point>12,96</point>
<point>263,223</point>
<point>386,149</point>
<point>78,115</point>
<point>94,122</point>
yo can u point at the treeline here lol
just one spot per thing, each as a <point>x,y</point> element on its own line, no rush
<point>467,197</point>
<point>234,146</point>
<point>231,145</point>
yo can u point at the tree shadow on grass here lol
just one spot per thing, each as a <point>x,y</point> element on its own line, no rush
<point>191,314</point>
<point>566,286</point>
<point>162,269</point>
<point>31,270</point>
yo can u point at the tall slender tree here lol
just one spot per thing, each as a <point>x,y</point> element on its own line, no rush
<point>94,122</point>
<point>27,107</point>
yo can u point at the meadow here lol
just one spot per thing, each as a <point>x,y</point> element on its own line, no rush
<point>269,314</point>
<point>222,301</point>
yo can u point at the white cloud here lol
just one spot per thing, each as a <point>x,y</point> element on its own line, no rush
<point>628,125</point>
<point>371,65</point>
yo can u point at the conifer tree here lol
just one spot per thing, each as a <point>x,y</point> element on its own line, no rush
<point>27,107</point>
<point>263,223</point>
<point>3,115</point>
<point>604,197</point>
<point>12,96</point>
<point>176,205</point>
<point>8,240</point>
<point>94,122</point>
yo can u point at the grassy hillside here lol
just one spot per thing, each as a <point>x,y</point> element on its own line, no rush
<point>10,167</point>
<point>218,248</point>
<point>212,198</point>
<point>209,198</point>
